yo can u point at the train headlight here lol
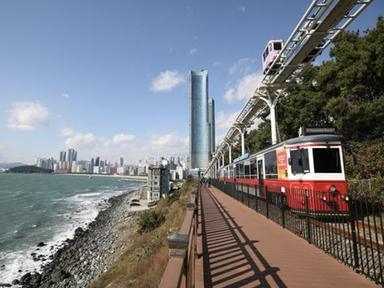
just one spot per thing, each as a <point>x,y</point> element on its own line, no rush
<point>332,189</point>
<point>324,198</point>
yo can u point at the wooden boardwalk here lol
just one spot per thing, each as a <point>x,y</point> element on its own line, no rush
<point>240,248</point>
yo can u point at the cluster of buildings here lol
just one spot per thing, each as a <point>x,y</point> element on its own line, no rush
<point>68,163</point>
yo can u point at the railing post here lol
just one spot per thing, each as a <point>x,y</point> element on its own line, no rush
<point>178,247</point>
<point>267,200</point>
<point>309,236</point>
<point>352,218</point>
<point>256,202</point>
<point>282,207</point>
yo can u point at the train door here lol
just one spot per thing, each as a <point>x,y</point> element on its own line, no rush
<point>260,176</point>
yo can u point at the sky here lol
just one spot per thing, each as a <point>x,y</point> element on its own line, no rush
<point>110,78</point>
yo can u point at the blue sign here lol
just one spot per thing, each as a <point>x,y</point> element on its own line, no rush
<point>240,158</point>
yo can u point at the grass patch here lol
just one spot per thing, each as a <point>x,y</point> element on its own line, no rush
<point>150,220</point>
<point>143,264</point>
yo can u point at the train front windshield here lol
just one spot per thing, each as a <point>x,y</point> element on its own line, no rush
<point>327,160</point>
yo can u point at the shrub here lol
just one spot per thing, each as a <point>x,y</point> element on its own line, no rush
<point>150,220</point>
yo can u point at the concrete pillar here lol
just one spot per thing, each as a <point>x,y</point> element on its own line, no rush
<point>242,142</point>
<point>272,107</point>
<point>229,153</point>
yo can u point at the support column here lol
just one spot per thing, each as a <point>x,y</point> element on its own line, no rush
<point>241,130</point>
<point>242,143</point>
<point>270,97</point>
<point>272,107</point>
<point>222,159</point>
<point>229,153</point>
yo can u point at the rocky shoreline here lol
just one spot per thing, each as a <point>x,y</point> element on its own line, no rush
<point>90,253</point>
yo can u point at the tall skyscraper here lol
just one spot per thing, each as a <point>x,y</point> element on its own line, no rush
<point>211,123</point>
<point>63,156</point>
<point>72,155</point>
<point>121,161</point>
<point>199,124</point>
<point>97,162</point>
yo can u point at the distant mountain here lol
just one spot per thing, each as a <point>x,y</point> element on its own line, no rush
<point>7,165</point>
<point>29,169</point>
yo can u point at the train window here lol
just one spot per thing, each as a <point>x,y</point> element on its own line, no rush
<point>240,170</point>
<point>253,169</point>
<point>299,161</point>
<point>270,165</point>
<point>277,46</point>
<point>327,160</point>
<point>270,47</point>
<point>247,171</point>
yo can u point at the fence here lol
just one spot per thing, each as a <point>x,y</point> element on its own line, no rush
<point>353,233</point>
<point>180,270</point>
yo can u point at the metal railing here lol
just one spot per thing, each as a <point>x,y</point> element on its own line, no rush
<point>180,270</point>
<point>350,228</point>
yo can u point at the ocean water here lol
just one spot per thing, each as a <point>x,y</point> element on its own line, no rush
<point>47,208</point>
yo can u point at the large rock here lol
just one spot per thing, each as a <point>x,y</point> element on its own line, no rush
<point>41,244</point>
<point>60,275</point>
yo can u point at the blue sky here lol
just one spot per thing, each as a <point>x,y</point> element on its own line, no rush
<point>109,78</point>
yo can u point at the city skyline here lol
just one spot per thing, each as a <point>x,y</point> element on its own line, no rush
<point>86,76</point>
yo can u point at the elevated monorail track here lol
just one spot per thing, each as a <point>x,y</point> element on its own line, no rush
<point>320,24</point>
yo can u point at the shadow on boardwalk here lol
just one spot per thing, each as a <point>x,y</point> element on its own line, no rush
<point>233,259</point>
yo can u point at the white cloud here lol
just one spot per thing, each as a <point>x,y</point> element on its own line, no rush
<point>167,145</point>
<point>192,51</point>
<point>220,138</point>
<point>169,141</point>
<point>242,66</point>
<point>66,132</point>
<point>244,88</point>
<point>27,116</point>
<point>65,95</point>
<point>123,138</point>
<point>77,140</point>
<point>166,81</point>
<point>225,121</point>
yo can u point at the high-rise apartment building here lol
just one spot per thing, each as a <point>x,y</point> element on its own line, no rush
<point>72,155</point>
<point>63,155</point>
<point>202,124</point>
<point>211,124</point>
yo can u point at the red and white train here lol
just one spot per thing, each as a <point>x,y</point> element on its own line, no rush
<point>307,171</point>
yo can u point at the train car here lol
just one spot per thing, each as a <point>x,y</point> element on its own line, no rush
<point>307,172</point>
<point>269,55</point>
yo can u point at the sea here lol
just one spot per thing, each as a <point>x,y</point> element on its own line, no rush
<point>47,208</point>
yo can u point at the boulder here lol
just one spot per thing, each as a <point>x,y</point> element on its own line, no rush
<point>41,244</point>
